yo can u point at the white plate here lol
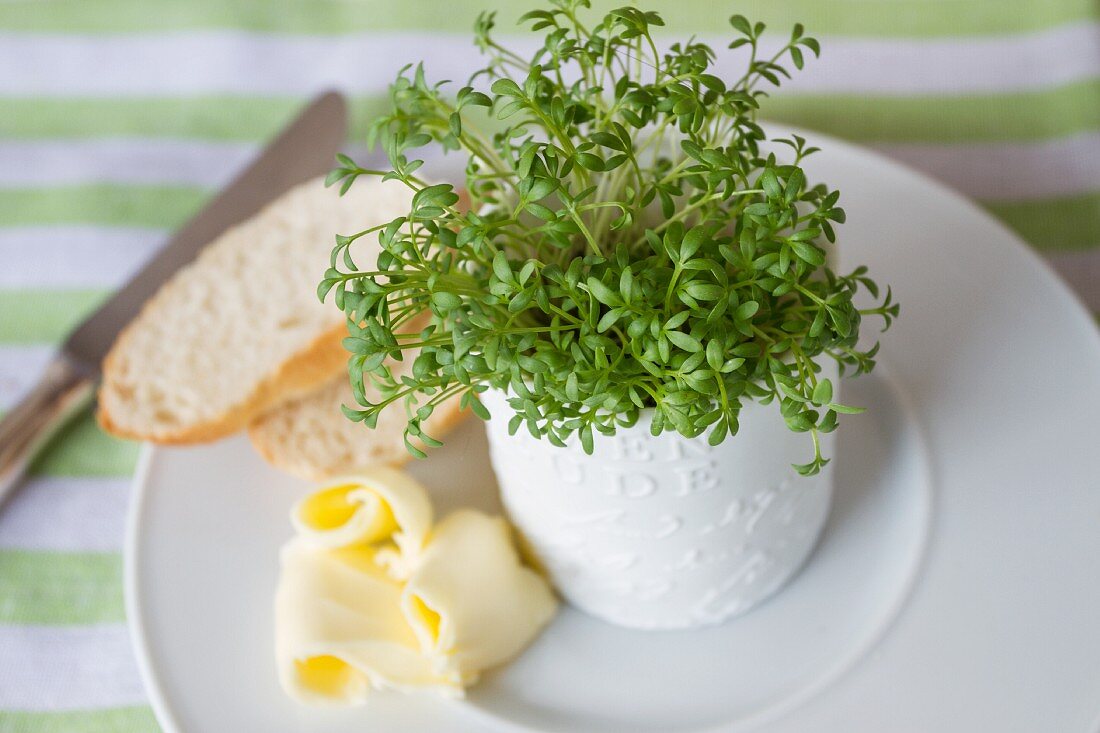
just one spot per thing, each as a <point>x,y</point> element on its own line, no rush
<point>957,588</point>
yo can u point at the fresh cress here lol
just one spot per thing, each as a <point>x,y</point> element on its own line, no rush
<point>631,240</point>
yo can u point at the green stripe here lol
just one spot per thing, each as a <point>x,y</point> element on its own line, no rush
<point>908,18</point>
<point>160,207</point>
<point>1015,117</point>
<point>82,449</point>
<point>1018,116</point>
<point>60,588</point>
<point>1066,223</point>
<point>111,720</point>
<point>44,316</point>
<point>251,119</point>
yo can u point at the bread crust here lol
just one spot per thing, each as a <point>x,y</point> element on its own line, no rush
<point>444,418</point>
<point>311,367</point>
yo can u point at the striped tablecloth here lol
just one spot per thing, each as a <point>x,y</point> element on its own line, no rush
<point>118,118</point>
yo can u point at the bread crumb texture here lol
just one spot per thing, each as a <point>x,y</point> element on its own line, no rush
<point>240,329</point>
<point>310,438</point>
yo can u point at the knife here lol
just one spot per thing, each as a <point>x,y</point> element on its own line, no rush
<point>306,148</point>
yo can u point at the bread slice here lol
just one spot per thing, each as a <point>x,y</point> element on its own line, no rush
<point>240,329</point>
<point>310,437</point>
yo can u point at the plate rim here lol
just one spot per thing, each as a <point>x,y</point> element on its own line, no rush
<point>133,602</point>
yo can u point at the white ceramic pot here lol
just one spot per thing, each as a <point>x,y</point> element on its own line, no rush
<point>664,532</point>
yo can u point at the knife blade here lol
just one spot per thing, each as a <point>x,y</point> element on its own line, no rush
<point>304,149</point>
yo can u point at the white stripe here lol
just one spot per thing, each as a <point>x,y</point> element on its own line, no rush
<point>996,171</point>
<point>1010,171</point>
<point>66,515</point>
<point>131,161</point>
<point>988,171</point>
<point>128,161</point>
<point>74,256</point>
<point>221,62</point>
<point>1081,270</point>
<point>20,367</point>
<point>233,62</point>
<point>959,65</point>
<point>46,668</point>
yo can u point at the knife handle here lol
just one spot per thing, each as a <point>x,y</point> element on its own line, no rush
<point>63,390</point>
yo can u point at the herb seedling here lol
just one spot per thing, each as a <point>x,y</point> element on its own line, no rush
<point>632,241</point>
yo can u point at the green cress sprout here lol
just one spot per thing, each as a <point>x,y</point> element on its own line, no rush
<point>628,243</point>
